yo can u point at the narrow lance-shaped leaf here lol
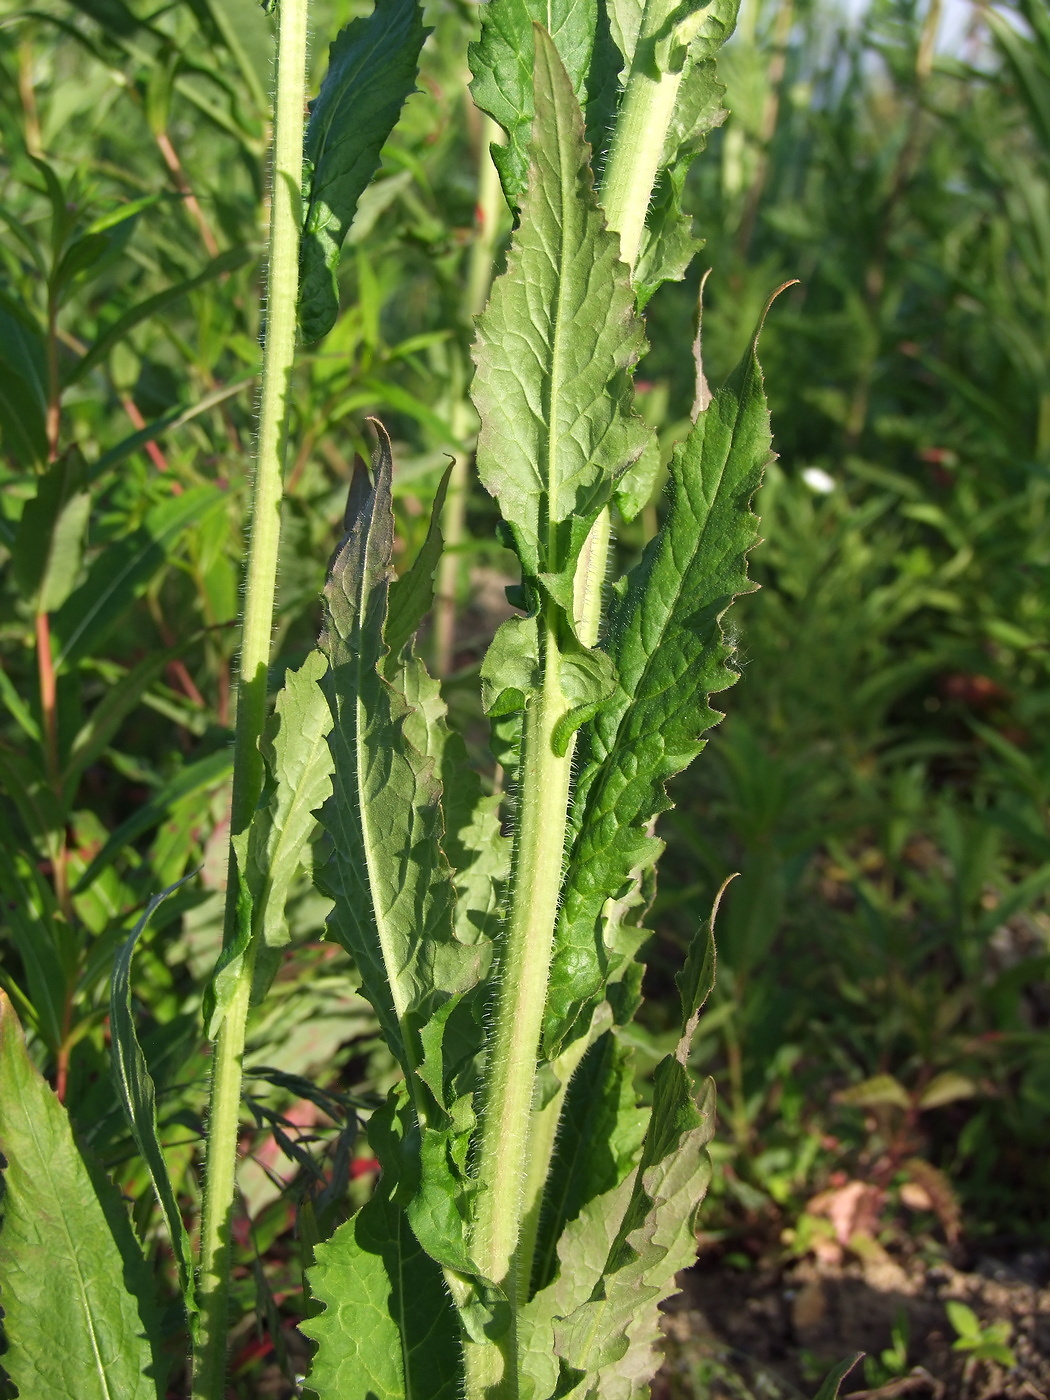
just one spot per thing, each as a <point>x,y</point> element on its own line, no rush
<point>137,1093</point>
<point>79,1316</point>
<point>554,351</point>
<point>371,71</point>
<point>670,654</point>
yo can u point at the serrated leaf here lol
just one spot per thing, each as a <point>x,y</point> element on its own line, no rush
<point>388,875</point>
<point>78,1310</point>
<point>618,1258</point>
<point>388,1330</point>
<point>502,64</point>
<point>299,782</point>
<point>598,1146</point>
<point>137,1094</point>
<point>372,68</point>
<point>554,350</point>
<point>670,654</point>
<point>412,595</point>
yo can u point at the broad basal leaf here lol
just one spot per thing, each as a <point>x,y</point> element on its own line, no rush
<point>554,351</point>
<point>502,64</point>
<point>670,654</point>
<point>77,1297</point>
<point>387,1330</point>
<point>371,71</point>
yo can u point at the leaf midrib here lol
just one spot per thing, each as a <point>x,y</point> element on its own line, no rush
<point>45,1162</point>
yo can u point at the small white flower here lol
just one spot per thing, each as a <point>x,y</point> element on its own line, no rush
<point>818,480</point>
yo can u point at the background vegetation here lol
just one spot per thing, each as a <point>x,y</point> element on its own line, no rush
<point>879,1030</point>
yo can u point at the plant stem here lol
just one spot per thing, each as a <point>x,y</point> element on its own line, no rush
<point>516,1142</point>
<point>505,1140</point>
<point>641,127</point>
<point>278,356</point>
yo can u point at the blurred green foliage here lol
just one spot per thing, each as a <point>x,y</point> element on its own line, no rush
<point>882,781</point>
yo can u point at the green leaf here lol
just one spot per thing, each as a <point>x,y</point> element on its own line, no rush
<point>388,874</point>
<point>196,777</point>
<point>388,1330</point>
<point>832,1382</point>
<point>226,262</point>
<point>123,571</point>
<point>78,1312</point>
<point>30,921</point>
<point>50,539</point>
<point>554,350</point>
<point>697,978</point>
<point>23,383</point>
<point>502,64</point>
<point>108,715</point>
<point>299,766</point>
<point>618,1258</point>
<point>412,595</point>
<point>599,1144</point>
<point>137,1094</point>
<point>371,71</point>
<point>670,654</point>
<point>879,1090</point>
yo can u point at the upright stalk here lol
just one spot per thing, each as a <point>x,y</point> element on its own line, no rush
<point>516,1142</point>
<point>505,1140</point>
<point>281,295</point>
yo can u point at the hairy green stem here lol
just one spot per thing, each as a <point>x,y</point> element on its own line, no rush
<point>278,355</point>
<point>503,1161</point>
<point>641,128</point>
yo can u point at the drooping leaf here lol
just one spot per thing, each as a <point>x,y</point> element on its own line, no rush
<point>114,333</point>
<point>48,546</point>
<point>123,570</point>
<point>670,654</point>
<point>194,778</point>
<point>77,1297</point>
<point>387,1330</point>
<point>502,64</point>
<point>554,351</point>
<point>137,1094</point>
<point>371,71</point>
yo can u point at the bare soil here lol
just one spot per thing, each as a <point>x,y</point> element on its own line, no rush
<point>772,1332</point>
